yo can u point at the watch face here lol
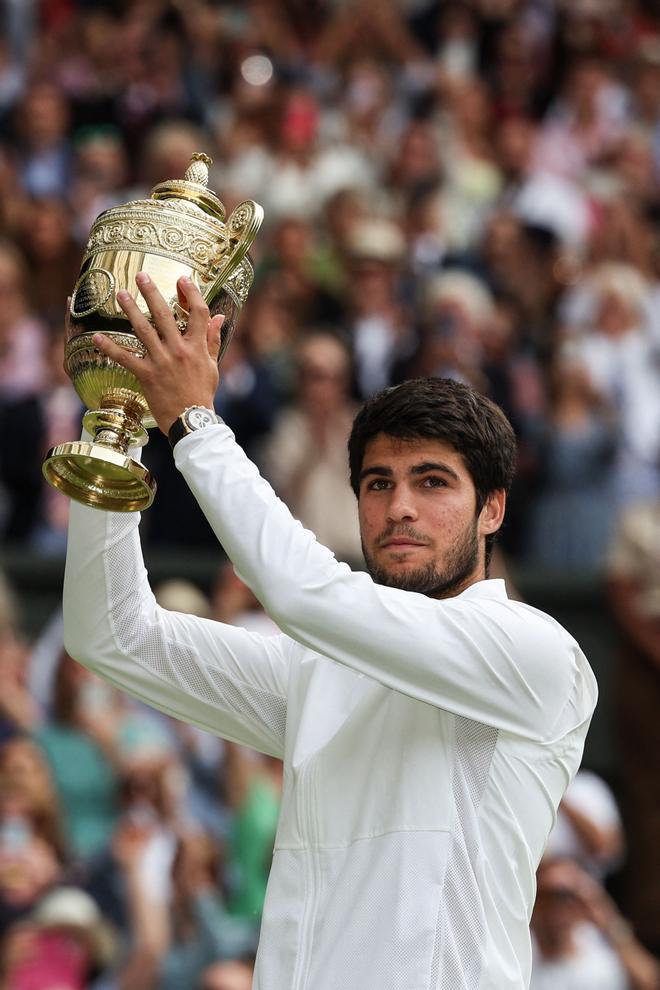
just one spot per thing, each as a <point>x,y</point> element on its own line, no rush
<point>198,417</point>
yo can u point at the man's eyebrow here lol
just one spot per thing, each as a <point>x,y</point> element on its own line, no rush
<point>382,471</point>
<point>434,466</point>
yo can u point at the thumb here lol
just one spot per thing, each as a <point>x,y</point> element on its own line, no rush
<point>214,336</point>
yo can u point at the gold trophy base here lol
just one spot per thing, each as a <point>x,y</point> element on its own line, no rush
<point>99,476</point>
<point>100,473</point>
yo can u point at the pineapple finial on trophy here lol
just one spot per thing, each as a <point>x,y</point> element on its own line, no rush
<point>198,170</point>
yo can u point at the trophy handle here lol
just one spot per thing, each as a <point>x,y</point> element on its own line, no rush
<point>242,228</point>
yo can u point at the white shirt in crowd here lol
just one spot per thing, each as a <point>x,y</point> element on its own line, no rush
<point>593,966</point>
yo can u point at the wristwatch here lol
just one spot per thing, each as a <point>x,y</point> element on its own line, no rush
<point>191,419</point>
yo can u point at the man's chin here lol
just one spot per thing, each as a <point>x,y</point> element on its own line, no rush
<point>408,575</point>
<point>405,574</point>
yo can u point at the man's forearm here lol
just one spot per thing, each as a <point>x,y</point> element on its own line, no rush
<point>216,676</point>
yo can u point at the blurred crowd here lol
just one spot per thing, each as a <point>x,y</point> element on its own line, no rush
<point>463,188</point>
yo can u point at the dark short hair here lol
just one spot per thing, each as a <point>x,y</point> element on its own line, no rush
<point>446,410</point>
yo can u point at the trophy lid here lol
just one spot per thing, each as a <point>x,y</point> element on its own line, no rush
<point>193,187</point>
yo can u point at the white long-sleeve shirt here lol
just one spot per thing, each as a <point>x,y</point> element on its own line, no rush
<point>426,743</point>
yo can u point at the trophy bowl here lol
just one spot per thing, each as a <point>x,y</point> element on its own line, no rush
<point>180,230</point>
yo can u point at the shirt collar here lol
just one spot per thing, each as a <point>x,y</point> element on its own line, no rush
<point>489,588</point>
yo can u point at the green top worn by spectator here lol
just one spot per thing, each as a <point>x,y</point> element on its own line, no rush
<point>86,785</point>
<point>252,846</point>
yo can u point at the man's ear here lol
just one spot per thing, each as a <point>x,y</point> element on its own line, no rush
<point>492,513</point>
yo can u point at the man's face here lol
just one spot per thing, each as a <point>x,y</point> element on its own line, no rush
<point>418,520</point>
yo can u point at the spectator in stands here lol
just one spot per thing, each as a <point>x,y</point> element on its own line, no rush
<point>53,257</point>
<point>64,942</point>
<point>23,340</point>
<point>154,809</point>
<point>306,453</point>
<point>31,861</point>
<point>575,446</point>
<point>456,315</point>
<point>42,121</point>
<point>172,944</point>
<point>585,122</point>
<point>18,710</point>
<point>588,827</point>
<point>581,940</point>
<point>377,323</point>
<point>26,775</point>
<point>620,357</point>
<point>634,596</point>
<point>100,173</point>
<point>79,742</point>
<point>473,178</point>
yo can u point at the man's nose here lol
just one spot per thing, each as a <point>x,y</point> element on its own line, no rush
<point>401,505</point>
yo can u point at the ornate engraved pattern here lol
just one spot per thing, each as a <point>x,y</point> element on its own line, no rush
<point>239,281</point>
<point>84,342</point>
<point>239,218</point>
<point>149,231</point>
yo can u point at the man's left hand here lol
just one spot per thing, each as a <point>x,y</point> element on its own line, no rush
<point>177,370</point>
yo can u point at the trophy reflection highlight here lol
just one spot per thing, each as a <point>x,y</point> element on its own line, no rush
<point>180,230</point>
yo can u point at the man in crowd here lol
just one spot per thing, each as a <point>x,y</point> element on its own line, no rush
<point>428,725</point>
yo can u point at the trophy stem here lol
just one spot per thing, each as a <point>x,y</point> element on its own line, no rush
<point>117,424</point>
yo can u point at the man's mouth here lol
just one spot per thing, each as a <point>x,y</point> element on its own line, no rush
<point>401,542</point>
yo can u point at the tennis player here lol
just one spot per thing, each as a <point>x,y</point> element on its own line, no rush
<point>428,724</point>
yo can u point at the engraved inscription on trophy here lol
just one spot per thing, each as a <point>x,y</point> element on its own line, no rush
<point>92,290</point>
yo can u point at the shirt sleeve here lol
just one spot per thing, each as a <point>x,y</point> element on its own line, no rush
<point>219,677</point>
<point>493,661</point>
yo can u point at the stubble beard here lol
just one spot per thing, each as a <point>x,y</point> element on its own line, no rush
<point>435,579</point>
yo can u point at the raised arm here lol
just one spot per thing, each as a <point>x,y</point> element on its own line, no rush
<point>216,676</point>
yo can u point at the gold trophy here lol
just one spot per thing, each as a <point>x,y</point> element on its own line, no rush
<point>180,230</point>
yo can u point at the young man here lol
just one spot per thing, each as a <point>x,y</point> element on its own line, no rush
<point>428,725</point>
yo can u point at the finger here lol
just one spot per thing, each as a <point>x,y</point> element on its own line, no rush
<point>132,362</point>
<point>144,330</point>
<point>198,320</point>
<point>214,336</point>
<point>161,313</point>
<point>181,295</point>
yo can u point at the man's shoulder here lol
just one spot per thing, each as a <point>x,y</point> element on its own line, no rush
<point>491,597</point>
<point>531,635</point>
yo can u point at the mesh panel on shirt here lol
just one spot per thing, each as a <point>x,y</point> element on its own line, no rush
<point>180,664</point>
<point>380,899</point>
<point>460,942</point>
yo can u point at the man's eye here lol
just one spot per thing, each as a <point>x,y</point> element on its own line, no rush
<point>379,485</point>
<point>433,482</point>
